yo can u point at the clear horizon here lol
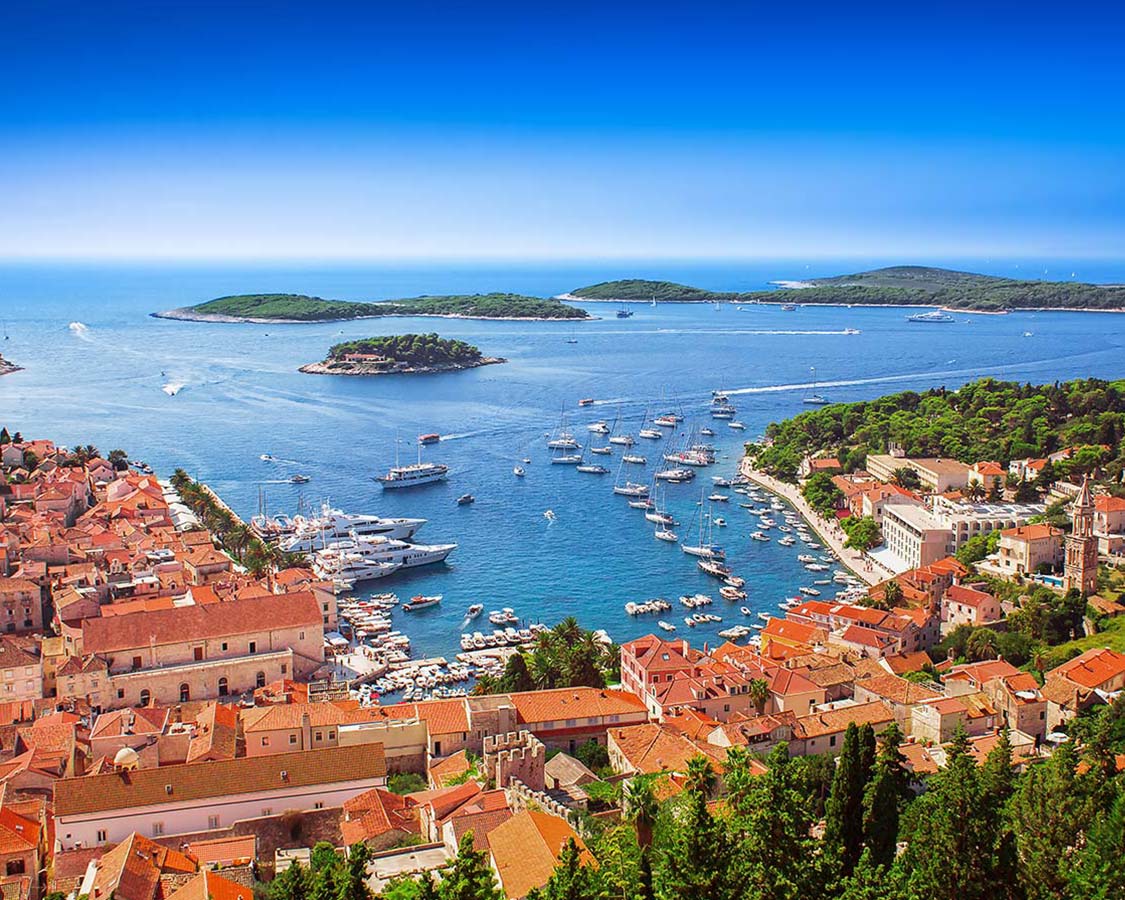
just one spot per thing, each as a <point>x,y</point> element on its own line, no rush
<point>257,132</point>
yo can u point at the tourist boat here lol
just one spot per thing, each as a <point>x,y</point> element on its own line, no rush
<point>631,489</point>
<point>634,458</point>
<point>379,550</point>
<point>519,472</point>
<point>623,312</point>
<point>676,476</point>
<point>625,440</point>
<point>465,499</point>
<point>475,610</point>
<point>413,475</point>
<point>265,457</point>
<point>598,427</point>
<point>713,568</point>
<point>758,536</point>
<point>663,534</point>
<point>299,479</point>
<point>737,426</point>
<point>310,533</point>
<point>723,412</point>
<point>586,401</point>
<point>935,315</point>
<point>429,438</point>
<point>602,451</point>
<point>592,470</point>
<point>347,570</point>
<point>421,601</point>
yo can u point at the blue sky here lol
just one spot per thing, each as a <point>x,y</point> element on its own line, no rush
<point>576,130</point>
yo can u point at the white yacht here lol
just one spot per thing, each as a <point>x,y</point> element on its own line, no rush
<point>634,458</point>
<point>563,440</point>
<point>413,475</point>
<point>332,525</point>
<point>625,440</point>
<point>384,550</point>
<point>631,489</point>
<point>598,428</point>
<point>651,433</point>
<point>351,568</point>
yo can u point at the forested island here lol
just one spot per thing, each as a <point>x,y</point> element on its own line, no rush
<point>892,286</point>
<point>983,420</point>
<point>400,354</point>
<point>266,308</point>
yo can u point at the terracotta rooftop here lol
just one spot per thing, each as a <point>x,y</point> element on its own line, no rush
<point>897,690</point>
<point>207,885</point>
<point>1093,669</point>
<point>526,849</point>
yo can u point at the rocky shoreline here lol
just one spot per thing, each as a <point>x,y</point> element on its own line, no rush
<point>186,314</point>
<point>328,367</point>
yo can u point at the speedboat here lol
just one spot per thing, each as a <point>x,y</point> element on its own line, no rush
<point>586,401</point>
<point>265,457</point>
<point>744,610</point>
<point>431,438</point>
<point>736,581</point>
<point>465,499</point>
<point>667,626</point>
<point>519,472</point>
<point>719,498</point>
<point>719,481</point>
<point>707,431</point>
<point>758,536</point>
<point>421,601</point>
<point>475,610</point>
<point>731,593</point>
<point>719,522</point>
<point>299,479</point>
<point>598,428</point>
<point>737,426</point>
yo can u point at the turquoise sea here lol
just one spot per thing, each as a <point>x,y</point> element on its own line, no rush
<point>97,365</point>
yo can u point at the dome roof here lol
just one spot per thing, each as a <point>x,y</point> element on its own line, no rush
<point>126,757</point>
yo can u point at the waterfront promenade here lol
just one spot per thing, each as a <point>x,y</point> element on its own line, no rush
<point>829,530</point>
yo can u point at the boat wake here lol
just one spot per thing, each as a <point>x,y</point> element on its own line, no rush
<point>463,434</point>
<point>173,387</point>
<point>80,331</point>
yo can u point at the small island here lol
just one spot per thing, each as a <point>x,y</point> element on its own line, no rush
<point>6,367</point>
<point>400,354</point>
<point>295,308</point>
<point>891,286</point>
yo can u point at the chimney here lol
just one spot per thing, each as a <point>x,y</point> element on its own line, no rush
<point>306,731</point>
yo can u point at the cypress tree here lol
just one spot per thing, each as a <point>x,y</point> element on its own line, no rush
<point>883,800</point>
<point>843,812</point>
<point>1098,874</point>
<point>470,877</point>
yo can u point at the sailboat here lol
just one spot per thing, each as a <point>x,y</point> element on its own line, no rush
<point>704,549</point>
<point>654,434</point>
<point>629,488</point>
<point>814,399</point>
<point>653,303</point>
<point>562,438</point>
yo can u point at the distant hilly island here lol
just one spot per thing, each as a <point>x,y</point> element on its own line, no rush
<point>891,286</point>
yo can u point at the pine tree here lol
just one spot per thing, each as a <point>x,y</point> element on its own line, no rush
<point>883,799</point>
<point>1098,873</point>
<point>868,881</point>
<point>470,877</point>
<point>843,830</point>
<point>571,880</point>
<point>291,884</point>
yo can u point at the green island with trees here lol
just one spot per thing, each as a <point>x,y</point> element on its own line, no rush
<point>891,286</point>
<point>982,420</point>
<point>400,354</point>
<point>303,308</point>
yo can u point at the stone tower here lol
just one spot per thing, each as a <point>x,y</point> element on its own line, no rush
<point>1081,568</point>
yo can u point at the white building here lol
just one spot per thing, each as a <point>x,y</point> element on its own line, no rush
<point>93,810</point>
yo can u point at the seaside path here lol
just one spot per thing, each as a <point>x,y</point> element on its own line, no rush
<point>829,530</point>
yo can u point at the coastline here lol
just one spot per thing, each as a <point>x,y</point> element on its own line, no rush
<point>185,314</point>
<point>830,533</point>
<point>792,298</point>
<point>364,371</point>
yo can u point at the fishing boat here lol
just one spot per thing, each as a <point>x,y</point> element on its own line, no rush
<point>634,458</point>
<point>935,315</point>
<point>587,469</point>
<point>602,451</point>
<point>737,426</point>
<point>429,438</point>
<point>466,499</point>
<point>814,399</point>
<point>421,601</point>
<point>631,489</point>
<point>519,471</point>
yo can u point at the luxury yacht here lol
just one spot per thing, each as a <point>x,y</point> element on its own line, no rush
<point>334,524</point>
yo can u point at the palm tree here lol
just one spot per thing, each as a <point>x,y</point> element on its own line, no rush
<point>759,690</point>
<point>237,539</point>
<point>568,631</point>
<point>641,807</point>
<point>975,491</point>
<point>700,775</point>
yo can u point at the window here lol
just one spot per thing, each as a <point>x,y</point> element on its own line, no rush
<point>224,645</point>
<point>265,740</point>
<point>301,636</point>
<point>14,867</point>
<point>224,690</point>
<point>292,739</point>
<point>102,836</point>
<point>157,829</point>
<point>832,741</point>
<point>284,668</point>
<point>318,805</point>
<point>145,697</point>
<point>320,735</point>
<point>253,646</point>
<point>121,693</point>
<point>267,810</point>
<point>212,822</point>
<point>260,679</point>
<point>185,692</point>
<point>136,662</point>
<point>198,651</point>
<point>331,735</point>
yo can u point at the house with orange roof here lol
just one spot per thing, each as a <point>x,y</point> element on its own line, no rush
<point>1027,549</point>
<point>790,690</point>
<point>792,634</point>
<point>21,605</point>
<point>378,819</point>
<point>21,842</point>
<point>566,718</point>
<point>936,721</point>
<point>1109,524</point>
<point>136,869</point>
<point>988,474</point>
<point>654,747</point>
<point>823,732</point>
<point>811,465</point>
<point>525,850</point>
<point>758,733</point>
<point>964,605</point>
<point>650,661</point>
<point>21,669</point>
<point>1087,679</point>
<point>208,885</point>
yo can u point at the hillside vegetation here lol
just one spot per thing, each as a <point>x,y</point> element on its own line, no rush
<point>414,349</point>
<point>304,308</point>
<point>895,285</point>
<point>983,420</point>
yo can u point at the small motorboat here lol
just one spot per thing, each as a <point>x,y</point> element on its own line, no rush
<point>475,610</point>
<point>549,515</point>
<point>758,536</point>
<point>265,457</point>
<point>519,472</point>
<point>736,581</point>
<point>585,401</point>
<point>719,522</point>
<point>744,610</point>
<point>299,479</point>
<point>527,460</point>
<point>719,498</point>
<point>598,428</point>
<point>737,426</point>
<point>465,499</point>
<point>421,601</point>
<point>731,593</point>
<point>431,438</point>
<point>707,431</point>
